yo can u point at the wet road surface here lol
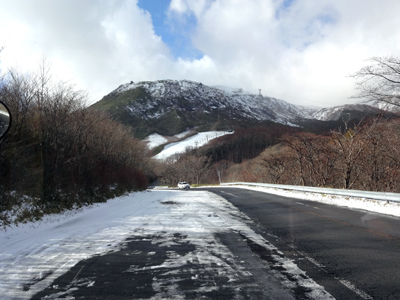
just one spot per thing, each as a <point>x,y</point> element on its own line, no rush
<point>340,249</point>
<point>140,271</point>
<point>352,254</point>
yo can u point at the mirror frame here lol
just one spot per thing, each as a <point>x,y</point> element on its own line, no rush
<point>10,120</point>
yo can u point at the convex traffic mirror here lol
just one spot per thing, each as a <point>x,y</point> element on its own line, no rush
<point>5,119</point>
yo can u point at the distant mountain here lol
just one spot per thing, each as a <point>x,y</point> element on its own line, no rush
<point>168,107</point>
<point>344,111</point>
<point>384,106</point>
<point>171,106</point>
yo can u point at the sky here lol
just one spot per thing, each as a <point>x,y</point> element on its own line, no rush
<point>301,51</point>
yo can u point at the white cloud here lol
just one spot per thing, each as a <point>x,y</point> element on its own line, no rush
<point>178,6</point>
<point>302,52</point>
<point>197,7</point>
<point>97,44</point>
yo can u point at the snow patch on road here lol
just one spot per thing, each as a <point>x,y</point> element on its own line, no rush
<point>32,256</point>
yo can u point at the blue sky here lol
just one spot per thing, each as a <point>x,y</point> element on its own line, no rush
<point>301,51</point>
<point>176,33</point>
<point>158,10</point>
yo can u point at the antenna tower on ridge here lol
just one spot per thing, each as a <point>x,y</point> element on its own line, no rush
<point>259,91</point>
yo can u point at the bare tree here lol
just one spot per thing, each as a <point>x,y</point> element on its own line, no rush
<point>59,150</point>
<point>380,160</point>
<point>221,168</point>
<point>349,147</point>
<point>299,144</point>
<point>380,81</point>
<point>277,165</point>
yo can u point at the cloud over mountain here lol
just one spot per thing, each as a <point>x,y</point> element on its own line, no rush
<point>300,51</point>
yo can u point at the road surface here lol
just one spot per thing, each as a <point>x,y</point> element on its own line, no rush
<point>351,254</point>
<point>340,249</point>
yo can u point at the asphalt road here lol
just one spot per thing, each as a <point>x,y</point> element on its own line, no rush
<point>353,254</point>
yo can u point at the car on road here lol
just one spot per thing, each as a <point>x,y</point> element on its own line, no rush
<point>183,185</point>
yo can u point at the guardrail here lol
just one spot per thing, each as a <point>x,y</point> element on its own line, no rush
<point>352,193</point>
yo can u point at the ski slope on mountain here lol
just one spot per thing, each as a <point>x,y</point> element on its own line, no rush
<point>193,142</point>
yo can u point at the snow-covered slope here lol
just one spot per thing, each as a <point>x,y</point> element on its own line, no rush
<point>194,141</point>
<point>348,110</point>
<point>166,95</point>
<point>154,140</point>
<point>171,106</point>
<point>384,106</point>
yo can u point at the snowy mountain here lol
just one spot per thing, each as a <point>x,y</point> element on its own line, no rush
<point>384,106</point>
<point>344,111</point>
<point>168,107</point>
<point>171,106</point>
<point>199,96</point>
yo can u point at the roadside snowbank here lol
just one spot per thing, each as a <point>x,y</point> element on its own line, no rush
<point>32,255</point>
<point>377,206</point>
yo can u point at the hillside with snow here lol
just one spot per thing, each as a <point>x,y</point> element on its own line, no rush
<point>384,106</point>
<point>198,95</point>
<point>169,107</point>
<point>192,142</point>
<point>179,143</point>
<point>344,111</point>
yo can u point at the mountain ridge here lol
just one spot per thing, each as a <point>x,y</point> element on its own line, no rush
<point>169,106</point>
<point>216,97</point>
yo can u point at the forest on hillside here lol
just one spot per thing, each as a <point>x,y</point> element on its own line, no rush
<point>60,155</point>
<point>365,157</point>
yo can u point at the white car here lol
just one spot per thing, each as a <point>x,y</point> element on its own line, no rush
<point>183,185</point>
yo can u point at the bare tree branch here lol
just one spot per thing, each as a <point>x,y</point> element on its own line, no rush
<point>379,81</point>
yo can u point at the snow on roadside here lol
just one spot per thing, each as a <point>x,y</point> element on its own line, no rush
<point>377,206</point>
<point>32,256</point>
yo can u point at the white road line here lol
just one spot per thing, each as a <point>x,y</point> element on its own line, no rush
<point>346,283</point>
<point>231,194</point>
<point>352,287</point>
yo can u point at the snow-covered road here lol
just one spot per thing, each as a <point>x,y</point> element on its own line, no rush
<point>34,254</point>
